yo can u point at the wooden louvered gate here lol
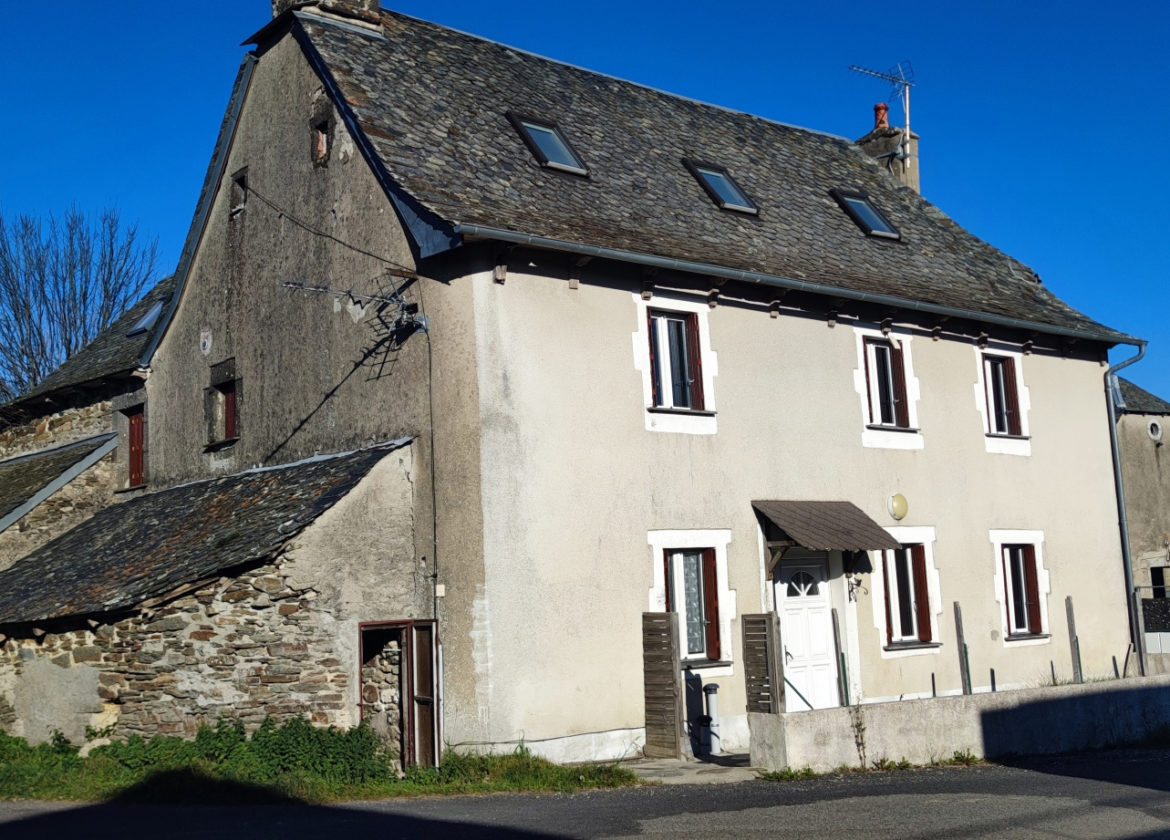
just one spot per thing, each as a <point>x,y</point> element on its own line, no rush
<point>663,685</point>
<point>763,664</point>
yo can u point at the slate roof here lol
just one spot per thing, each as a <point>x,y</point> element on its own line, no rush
<point>827,526</point>
<point>111,354</point>
<point>431,102</point>
<point>150,545</point>
<point>1140,401</point>
<point>24,477</point>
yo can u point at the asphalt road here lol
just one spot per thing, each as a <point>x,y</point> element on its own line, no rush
<point>1115,794</point>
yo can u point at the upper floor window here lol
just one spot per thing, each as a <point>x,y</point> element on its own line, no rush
<point>222,405</point>
<point>865,214</point>
<point>676,360</point>
<point>720,187</point>
<point>887,388</point>
<point>1003,400</point>
<point>548,144</point>
<point>136,439</point>
<point>885,377</point>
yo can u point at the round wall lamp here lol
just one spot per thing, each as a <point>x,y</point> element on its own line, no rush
<point>898,506</point>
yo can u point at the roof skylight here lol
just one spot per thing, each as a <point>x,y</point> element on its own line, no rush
<point>865,215</point>
<point>547,144</point>
<point>721,187</point>
<point>146,321</point>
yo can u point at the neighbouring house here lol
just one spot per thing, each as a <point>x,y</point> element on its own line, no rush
<point>523,352</point>
<point>60,458</point>
<point>1141,420</point>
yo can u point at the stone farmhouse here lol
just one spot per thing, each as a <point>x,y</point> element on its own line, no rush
<point>473,358</point>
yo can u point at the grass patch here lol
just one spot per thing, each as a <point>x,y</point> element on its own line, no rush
<point>961,758</point>
<point>294,761</point>
<point>788,774</point>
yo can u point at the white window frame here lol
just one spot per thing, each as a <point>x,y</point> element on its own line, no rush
<point>999,540</point>
<point>907,535</point>
<point>998,442</point>
<point>879,435</point>
<point>664,417</point>
<point>663,542</point>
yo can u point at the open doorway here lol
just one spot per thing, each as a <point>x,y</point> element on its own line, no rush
<point>399,694</point>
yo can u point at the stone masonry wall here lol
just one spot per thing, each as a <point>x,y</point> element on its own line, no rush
<point>247,647</point>
<point>67,508</point>
<point>54,430</point>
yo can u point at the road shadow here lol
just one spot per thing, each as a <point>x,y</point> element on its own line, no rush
<point>185,806</point>
<point>1139,767</point>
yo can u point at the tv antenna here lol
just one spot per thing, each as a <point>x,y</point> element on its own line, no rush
<point>901,76</point>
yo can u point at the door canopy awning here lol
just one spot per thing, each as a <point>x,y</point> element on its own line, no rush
<point>826,526</point>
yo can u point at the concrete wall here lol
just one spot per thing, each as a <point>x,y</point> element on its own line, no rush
<point>1029,722</point>
<point>577,477</point>
<point>280,640</point>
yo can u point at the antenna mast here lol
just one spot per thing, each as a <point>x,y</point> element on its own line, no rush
<point>901,76</point>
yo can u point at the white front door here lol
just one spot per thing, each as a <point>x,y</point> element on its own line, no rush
<point>806,634</point>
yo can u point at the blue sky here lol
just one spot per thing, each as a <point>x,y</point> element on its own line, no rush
<point>1043,124</point>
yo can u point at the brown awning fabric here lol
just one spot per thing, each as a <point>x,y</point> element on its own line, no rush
<point>826,526</point>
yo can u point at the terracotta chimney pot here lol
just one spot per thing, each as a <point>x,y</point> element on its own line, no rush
<point>881,115</point>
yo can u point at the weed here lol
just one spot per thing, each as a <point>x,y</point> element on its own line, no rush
<point>887,764</point>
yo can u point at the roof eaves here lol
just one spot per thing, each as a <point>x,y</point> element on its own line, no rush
<point>429,233</point>
<point>1108,336</point>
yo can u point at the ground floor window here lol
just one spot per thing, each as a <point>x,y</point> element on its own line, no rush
<point>907,595</point>
<point>1021,585</point>
<point>692,591</point>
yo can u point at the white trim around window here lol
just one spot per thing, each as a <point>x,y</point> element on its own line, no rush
<point>661,415</point>
<point>663,543</point>
<point>907,536</point>
<point>894,433</point>
<point>1002,540</point>
<point>998,440</point>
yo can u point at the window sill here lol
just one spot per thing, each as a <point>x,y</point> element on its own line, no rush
<point>132,489</point>
<point>912,646</point>
<point>881,427</point>
<point>690,412</point>
<point>215,446</point>
<point>1026,637</point>
<point>1000,436</point>
<point>700,664</point>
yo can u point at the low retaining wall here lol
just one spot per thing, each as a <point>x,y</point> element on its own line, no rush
<point>1026,722</point>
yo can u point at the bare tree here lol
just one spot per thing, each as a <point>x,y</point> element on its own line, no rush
<point>62,281</point>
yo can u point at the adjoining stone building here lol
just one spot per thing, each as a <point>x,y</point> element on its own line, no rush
<point>1145,468</point>
<point>650,355</point>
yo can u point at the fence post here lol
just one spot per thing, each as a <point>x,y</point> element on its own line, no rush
<point>964,662</point>
<point>1073,642</point>
<point>842,679</point>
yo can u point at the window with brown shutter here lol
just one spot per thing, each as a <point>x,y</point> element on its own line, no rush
<point>885,382</point>
<point>692,591</point>
<point>907,596</point>
<point>1021,581</point>
<point>135,437</point>
<point>676,362</point>
<point>1003,397</point>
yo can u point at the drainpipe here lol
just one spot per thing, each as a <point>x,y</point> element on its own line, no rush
<point>1122,519</point>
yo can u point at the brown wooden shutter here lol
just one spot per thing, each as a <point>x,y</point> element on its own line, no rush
<point>656,398</point>
<point>669,580</point>
<point>1012,396</point>
<point>1032,589</point>
<point>694,361</point>
<point>921,592</point>
<point>901,405</point>
<point>711,603</point>
<point>136,461</point>
<point>886,580</point>
<point>229,411</point>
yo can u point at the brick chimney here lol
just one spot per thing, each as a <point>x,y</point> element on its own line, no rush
<point>367,11</point>
<point>887,143</point>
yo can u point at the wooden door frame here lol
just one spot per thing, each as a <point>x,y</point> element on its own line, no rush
<point>407,666</point>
